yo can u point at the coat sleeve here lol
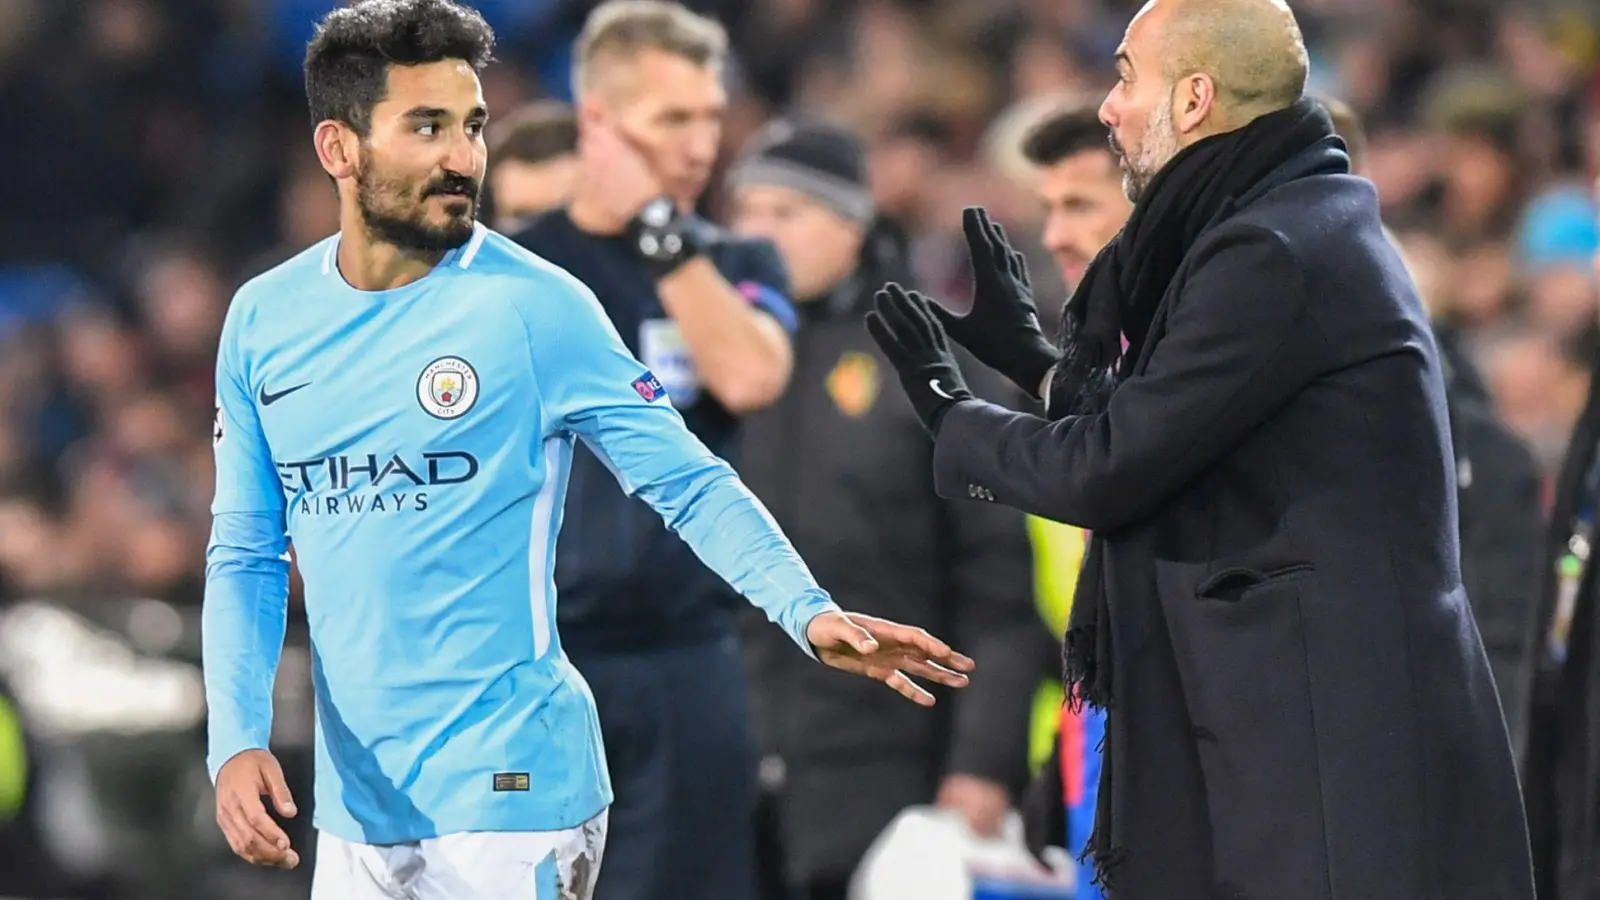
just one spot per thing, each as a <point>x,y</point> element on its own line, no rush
<point>989,578</point>
<point>1239,343</point>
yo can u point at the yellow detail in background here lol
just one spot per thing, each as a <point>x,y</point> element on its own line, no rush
<point>1057,556</point>
<point>13,763</point>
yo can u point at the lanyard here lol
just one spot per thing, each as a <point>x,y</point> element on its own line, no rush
<point>1573,563</point>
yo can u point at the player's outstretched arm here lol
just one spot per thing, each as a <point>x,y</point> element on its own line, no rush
<point>593,387</point>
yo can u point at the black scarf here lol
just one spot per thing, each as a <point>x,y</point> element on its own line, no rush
<point>1119,297</point>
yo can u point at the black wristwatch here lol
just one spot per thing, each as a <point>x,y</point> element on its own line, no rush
<point>662,237</point>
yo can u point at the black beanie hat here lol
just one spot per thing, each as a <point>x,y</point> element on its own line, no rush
<point>825,162</point>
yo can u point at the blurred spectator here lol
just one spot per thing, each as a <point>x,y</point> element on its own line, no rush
<point>1554,247</point>
<point>1080,184</point>
<point>181,299</point>
<point>1481,291</point>
<point>533,160</point>
<point>902,163</point>
<point>1538,386</point>
<point>1480,181</point>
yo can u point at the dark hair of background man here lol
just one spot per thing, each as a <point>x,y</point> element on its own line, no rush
<point>536,133</point>
<point>1063,133</point>
<point>532,135</point>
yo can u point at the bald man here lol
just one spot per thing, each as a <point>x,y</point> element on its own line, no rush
<point>1248,413</point>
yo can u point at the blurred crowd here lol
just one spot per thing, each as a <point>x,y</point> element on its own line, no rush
<point>165,159</point>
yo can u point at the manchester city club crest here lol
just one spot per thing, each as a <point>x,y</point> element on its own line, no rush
<point>448,387</point>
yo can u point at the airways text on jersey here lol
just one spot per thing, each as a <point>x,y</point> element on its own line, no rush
<point>360,484</point>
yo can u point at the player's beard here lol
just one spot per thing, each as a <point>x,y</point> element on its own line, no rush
<point>395,212</point>
<point>1156,147</point>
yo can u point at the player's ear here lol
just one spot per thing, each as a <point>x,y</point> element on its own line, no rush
<point>336,149</point>
<point>592,114</point>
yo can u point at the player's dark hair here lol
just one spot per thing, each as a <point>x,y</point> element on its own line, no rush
<point>347,61</point>
<point>1063,133</point>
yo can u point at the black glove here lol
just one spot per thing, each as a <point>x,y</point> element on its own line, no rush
<point>1002,330</point>
<point>905,326</point>
<point>663,237</point>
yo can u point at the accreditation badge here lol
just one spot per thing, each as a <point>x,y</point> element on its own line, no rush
<point>664,352</point>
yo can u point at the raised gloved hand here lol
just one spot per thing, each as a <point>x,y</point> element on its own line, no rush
<point>1002,330</point>
<point>907,329</point>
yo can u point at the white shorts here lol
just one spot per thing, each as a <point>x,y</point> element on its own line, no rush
<point>474,865</point>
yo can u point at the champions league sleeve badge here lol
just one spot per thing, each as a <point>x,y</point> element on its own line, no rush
<point>649,387</point>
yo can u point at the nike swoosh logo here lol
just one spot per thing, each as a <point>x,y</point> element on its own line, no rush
<point>934,383</point>
<point>269,399</point>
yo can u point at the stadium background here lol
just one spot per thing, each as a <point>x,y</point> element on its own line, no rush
<point>159,156</point>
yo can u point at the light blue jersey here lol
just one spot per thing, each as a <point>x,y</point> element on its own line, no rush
<point>413,446</point>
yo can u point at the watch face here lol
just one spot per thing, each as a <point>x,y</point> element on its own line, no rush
<point>657,212</point>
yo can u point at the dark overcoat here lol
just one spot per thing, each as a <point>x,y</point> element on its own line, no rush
<point>1301,704</point>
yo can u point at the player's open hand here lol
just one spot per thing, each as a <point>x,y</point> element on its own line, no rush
<point>887,651</point>
<point>252,834</point>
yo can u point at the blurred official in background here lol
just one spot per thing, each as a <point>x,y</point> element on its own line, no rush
<point>843,467</point>
<point>533,164</point>
<point>651,628</point>
<point>1265,466</point>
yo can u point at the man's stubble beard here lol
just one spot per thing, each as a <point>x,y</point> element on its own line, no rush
<point>1157,146</point>
<point>384,214</point>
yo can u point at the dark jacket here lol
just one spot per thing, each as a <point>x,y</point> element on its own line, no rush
<point>1301,704</point>
<point>627,582</point>
<point>1499,494</point>
<point>1561,769</point>
<point>843,464</point>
